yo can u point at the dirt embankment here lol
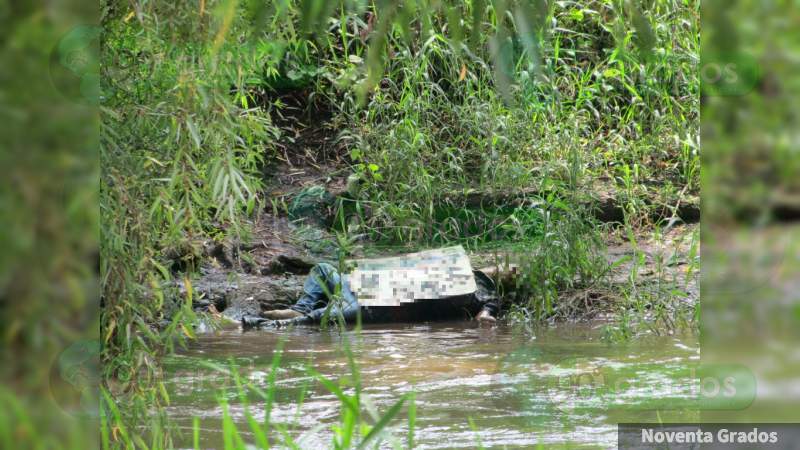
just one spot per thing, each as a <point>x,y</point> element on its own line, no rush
<point>268,273</point>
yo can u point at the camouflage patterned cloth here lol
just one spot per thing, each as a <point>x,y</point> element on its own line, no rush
<point>312,204</point>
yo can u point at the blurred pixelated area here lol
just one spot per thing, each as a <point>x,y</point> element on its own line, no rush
<point>749,127</point>
<point>751,200</point>
<point>427,275</point>
<point>49,295</point>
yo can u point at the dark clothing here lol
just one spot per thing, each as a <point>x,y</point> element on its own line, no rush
<point>486,295</point>
<point>324,282</point>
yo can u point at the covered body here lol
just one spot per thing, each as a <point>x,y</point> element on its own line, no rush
<point>431,285</point>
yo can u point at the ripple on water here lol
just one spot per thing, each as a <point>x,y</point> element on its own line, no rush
<point>506,383</point>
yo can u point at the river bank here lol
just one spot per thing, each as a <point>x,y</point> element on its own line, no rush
<point>267,271</point>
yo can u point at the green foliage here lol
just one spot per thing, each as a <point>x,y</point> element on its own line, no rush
<point>360,424</point>
<point>48,198</point>
<point>522,105</point>
<point>568,256</point>
<point>179,161</point>
<point>541,98</point>
<point>600,85</point>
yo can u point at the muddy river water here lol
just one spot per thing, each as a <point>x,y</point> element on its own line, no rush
<point>498,387</point>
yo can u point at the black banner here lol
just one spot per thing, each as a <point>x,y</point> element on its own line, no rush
<point>679,436</point>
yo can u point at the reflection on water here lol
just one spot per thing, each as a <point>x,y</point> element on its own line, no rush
<point>563,385</point>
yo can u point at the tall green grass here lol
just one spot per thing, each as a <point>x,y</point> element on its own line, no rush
<point>360,424</point>
<point>432,104</point>
<point>541,99</point>
<point>179,157</point>
<point>596,86</point>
